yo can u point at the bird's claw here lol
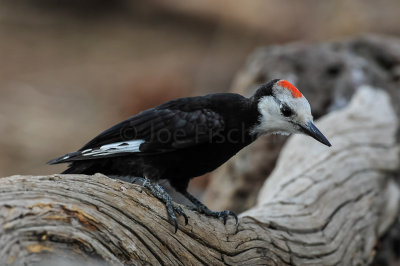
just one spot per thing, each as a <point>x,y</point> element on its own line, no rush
<point>159,192</point>
<point>201,208</point>
<point>180,211</point>
<point>172,209</point>
<point>222,214</point>
<point>225,214</point>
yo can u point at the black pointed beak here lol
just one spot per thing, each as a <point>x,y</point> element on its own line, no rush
<point>311,130</point>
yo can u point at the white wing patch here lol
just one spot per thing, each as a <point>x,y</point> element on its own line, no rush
<point>113,148</point>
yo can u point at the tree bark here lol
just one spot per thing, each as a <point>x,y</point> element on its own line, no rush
<point>320,206</point>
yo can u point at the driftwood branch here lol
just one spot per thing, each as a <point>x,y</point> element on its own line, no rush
<point>320,206</point>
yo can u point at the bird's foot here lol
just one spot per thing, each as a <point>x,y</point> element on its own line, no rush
<point>222,214</point>
<point>160,193</point>
<point>201,208</point>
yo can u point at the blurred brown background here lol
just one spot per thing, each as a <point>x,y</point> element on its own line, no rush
<point>70,69</point>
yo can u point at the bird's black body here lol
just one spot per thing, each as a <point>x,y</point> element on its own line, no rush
<point>188,137</point>
<point>184,138</point>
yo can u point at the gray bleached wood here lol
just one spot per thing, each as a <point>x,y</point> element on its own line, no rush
<point>320,206</point>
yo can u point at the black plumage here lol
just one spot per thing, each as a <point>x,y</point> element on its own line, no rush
<point>178,140</point>
<point>184,138</point>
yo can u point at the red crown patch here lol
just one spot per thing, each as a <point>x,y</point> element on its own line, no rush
<point>287,85</point>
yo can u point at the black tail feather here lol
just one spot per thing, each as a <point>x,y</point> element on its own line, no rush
<point>64,159</point>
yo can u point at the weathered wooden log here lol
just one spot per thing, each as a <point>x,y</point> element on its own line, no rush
<point>320,206</point>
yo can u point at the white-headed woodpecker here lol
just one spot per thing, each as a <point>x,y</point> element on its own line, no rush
<point>188,137</point>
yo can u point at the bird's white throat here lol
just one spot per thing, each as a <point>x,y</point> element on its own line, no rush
<point>271,120</point>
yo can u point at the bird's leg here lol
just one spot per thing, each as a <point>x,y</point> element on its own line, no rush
<point>200,207</point>
<point>160,193</point>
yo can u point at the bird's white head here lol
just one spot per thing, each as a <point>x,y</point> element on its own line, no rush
<point>283,109</point>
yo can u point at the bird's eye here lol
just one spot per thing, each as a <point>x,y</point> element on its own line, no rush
<point>285,110</point>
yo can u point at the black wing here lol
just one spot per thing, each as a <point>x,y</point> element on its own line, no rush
<point>174,125</point>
